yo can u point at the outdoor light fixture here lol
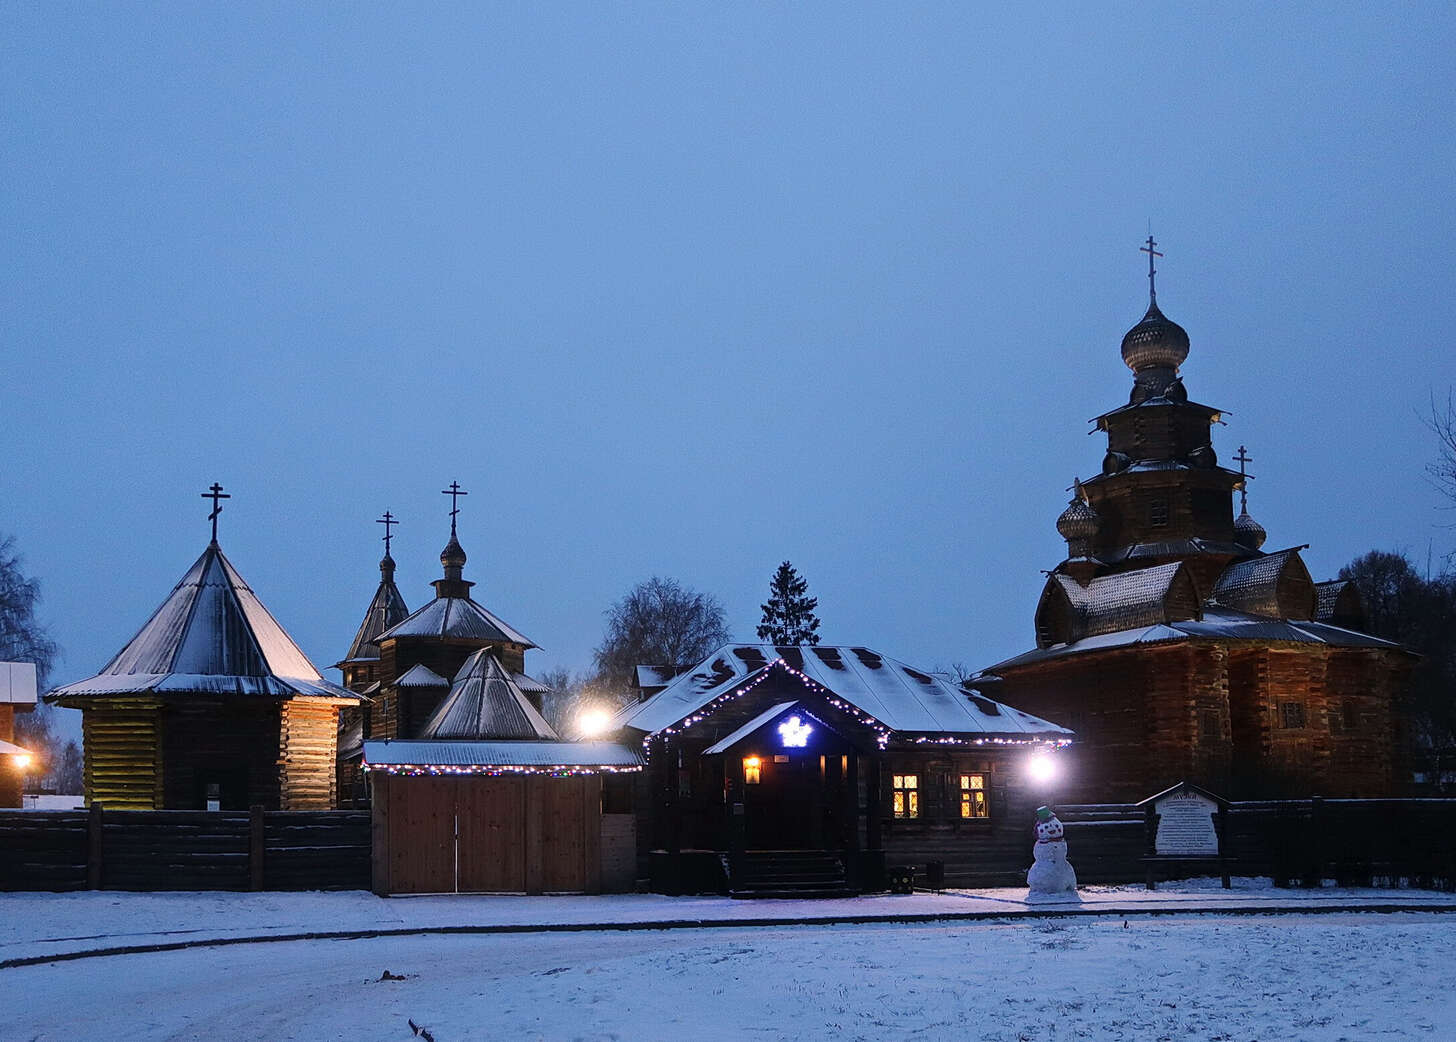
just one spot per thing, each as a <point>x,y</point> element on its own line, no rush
<point>794,733</point>
<point>752,770</point>
<point>593,721</point>
<point>21,761</point>
<point>1042,767</point>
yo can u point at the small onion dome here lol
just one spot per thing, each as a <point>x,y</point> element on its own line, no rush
<point>1155,342</point>
<point>453,556</point>
<point>1078,521</point>
<point>1248,532</point>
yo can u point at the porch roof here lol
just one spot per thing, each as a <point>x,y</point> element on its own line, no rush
<point>546,755</point>
<point>748,729</point>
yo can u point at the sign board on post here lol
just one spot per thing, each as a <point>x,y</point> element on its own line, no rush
<point>1185,824</point>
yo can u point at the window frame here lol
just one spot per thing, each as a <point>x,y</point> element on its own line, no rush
<point>905,797</point>
<point>969,792</point>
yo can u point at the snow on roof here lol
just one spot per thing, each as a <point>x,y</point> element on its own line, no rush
<point>499,754</point>
<point>1217,624</point>
<point>210,636</point>
<point>656,676</point>
<point>11,749</point>
<point>900,697</point>
<point>459,618</point>
<point>529,684</point>
<point>485,703</point>
<point>421,675</point>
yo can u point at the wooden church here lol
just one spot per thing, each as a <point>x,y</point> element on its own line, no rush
<point>470,789</point>
<point>1174,644</point>
<point>211,706</point>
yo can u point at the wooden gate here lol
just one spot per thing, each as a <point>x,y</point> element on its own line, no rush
<point>480,834</point>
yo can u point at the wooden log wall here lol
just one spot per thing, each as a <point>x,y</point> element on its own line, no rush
<point>123,753</point>
<point>307,746</point>
<point>184,850</point>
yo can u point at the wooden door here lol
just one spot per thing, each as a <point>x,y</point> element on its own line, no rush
<point>491,814</point>
<point>421,823</point>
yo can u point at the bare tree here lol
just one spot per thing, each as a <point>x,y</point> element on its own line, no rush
<point>658,622</point>
<point>24,639</point>
<point>1442,423</point>
<point>68,777</point>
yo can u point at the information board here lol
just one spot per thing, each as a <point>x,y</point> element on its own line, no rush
<point>1185,826</point>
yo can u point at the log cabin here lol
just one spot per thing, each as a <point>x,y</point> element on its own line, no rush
<point>211,706</point>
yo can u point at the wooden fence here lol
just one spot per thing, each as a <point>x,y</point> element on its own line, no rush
<point>184,850</point>
<point>1410,842</point>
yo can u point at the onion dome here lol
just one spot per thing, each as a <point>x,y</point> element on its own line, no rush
<point>452,558</point>
<point>1248,532</point>
<point>1155,342</point>
<point>1078,522</point>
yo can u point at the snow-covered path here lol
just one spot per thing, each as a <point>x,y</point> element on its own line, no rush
<point>1291,977</point>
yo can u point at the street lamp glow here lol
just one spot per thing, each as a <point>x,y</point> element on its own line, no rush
<point>593,721</point>
<point>1042,767</point>
<point>21,761</point>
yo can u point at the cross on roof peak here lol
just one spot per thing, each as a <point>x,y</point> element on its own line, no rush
<point>1151,249</point>
<point>1243,457</point>
<point>216,494</point>
<point>454,492</point>
<point>388,522</point>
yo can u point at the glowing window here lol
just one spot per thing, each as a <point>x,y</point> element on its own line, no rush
<point>906,789</point>
<point>752,770</point>
<point>973,796</point>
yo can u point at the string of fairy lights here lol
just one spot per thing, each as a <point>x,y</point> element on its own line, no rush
<point>882,732</point>
<point>415,770</point>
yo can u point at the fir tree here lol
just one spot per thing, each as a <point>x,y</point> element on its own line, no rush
<point>788,616</point>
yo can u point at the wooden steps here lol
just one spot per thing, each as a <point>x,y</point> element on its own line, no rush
<point>796,874</point>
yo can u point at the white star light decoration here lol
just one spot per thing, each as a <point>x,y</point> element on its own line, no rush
<point>795,733</point>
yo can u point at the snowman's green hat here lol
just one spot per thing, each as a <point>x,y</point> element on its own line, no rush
<point>1044,814</point>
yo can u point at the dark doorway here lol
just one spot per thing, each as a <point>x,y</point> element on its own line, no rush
<point>222,788</point>
<point>784,811</point>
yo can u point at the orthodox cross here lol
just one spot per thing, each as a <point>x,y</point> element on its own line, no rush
<point>1244,457</point>
<point>216,494</point>
<point>454,492</point>
<point>387,521</point>
<point>1151,249</point>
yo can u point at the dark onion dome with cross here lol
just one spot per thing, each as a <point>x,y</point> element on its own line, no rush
<point>1156,342</point>
<point>1247,532</point>
<point>1078,523</point>
<point>454,614</point>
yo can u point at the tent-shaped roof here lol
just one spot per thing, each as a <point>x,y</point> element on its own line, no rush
<point>385,610</point>
<point>211,636</point>
<point>455,618</point>
<point>899,697</point>
<point>421,675</point>
<point>485,703</point>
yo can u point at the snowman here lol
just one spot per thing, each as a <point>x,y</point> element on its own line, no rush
<point>1050,877</point>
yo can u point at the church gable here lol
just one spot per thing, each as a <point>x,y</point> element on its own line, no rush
<point>1276,585</point>
<point>1069,611</point>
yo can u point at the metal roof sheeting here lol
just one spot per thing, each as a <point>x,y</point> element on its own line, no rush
<point>484,703</point>
<point>421,675</point>
<point>500,754</point>
<point>1216,624</point>
<point>456,618</point>
<point>899,697</point>
<point>1254,586</point>
<point>210,636</point>
<point>385,610</point>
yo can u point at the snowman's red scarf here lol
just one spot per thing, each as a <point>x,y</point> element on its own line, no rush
<point>1059,839</point>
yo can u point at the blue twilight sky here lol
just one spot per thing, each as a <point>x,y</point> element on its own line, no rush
<point>689,289</point>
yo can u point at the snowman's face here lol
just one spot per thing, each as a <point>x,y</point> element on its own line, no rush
<point>1049,831</point>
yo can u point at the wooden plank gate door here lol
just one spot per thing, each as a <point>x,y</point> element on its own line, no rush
<point>478,834</point>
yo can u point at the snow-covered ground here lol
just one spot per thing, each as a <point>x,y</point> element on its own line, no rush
<point>1349,976</point>
<point>36,925</point>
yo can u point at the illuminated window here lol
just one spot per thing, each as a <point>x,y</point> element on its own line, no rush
<point>907,795</point>
<point>1291,714</point>
<point>973,796</point>
<point>752,770</point>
